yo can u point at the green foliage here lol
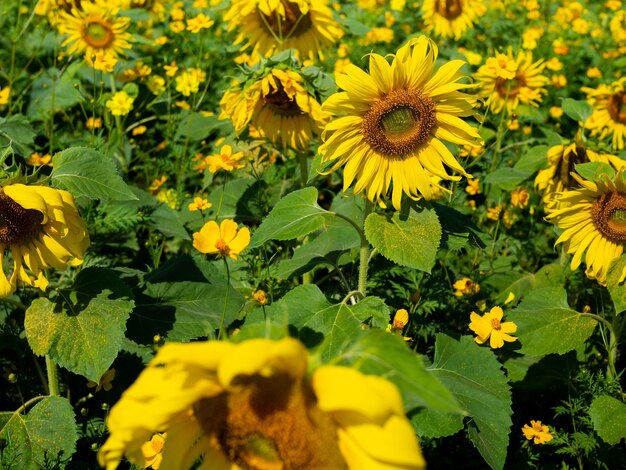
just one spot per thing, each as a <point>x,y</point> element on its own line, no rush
<point>577,110</point>
<point>609,418</point>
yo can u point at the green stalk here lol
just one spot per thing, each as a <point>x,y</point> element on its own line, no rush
<point>364,253</point>
<point>53,377</point>
<point>219,333</point>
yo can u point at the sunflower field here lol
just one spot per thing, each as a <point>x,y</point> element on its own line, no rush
<point>312,234</point>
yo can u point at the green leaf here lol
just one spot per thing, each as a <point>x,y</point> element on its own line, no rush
<point>87,172</point>
<point>608,416</point>
<point>507,178</point>
<point>617,289</point>
<point>458,230</point>
<point>83,330</point>
<point>46,434</point>
<point>17,132</point>
<point>546,324</point>
<point>473,375</point>
<point>195,127</point>
<point>54,91</point>
<point>295,215</point>
<point>522,283</point>
<point>534,159</point>
<point>593,170</point>
<point>577,110</point>
<point>380,353</point>
<point>408,241</point>
<point>189,310</point>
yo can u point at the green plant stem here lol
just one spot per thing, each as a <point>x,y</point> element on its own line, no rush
<point>611,347</point>
<point>29,403</point>
<point>53,377</point>
<point>219,333</point>
<point>304,169</point>
<point>364,253</point>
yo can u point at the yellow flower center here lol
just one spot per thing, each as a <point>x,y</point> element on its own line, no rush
<point>495,324</point>
<point>222,247</point>
<point>399,122</point>
<point>293,24</point>
<point>98,33</point>
<point>157,443</point>
<point>270,423</point>
<point>510,87</point>
<point>18,226</point>
<point>608,214</point>
<point>449,9</point>
<point>281,104</point>
<point>616,107</point>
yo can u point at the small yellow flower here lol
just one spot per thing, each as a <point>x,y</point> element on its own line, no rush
<point>400,319</point>
<point>153,450</point>
<point>472,187</point>
<point>489,327</point>
<point>465,286</point>
<point>93,123</point>
<point>139,130</point>
<point>520,197</point>
<point>199,204</point>
<point>189,81</point>
<point>556,112</point>
<point>105,381</point>
<point>171,69</point>
<point>4,95</point>
<point>120,104</point>
<point>200,22</point>
<point>558,81</point>
<point>156,184</point>
<point>225,239</point>
<point>225,160</point>
<point>37,159</point>
<point>537,431</point>
<point>493,213</point>
<point>102,60</point>
<point>260,296</point>
<point>502,66</point>
<point>594,72</point>
<point>177,26</point>
<point>554,64</point>
<point>169,197</point>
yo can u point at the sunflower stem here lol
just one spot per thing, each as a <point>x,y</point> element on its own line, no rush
<point>304,169</point>
<point>219,333</point>
<point>53,377</point>
<point>611,372</point>
<point>364,253</point>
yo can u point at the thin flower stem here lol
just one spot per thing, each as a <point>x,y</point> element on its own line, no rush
<point>304,169</point>
<point>53,377</point>
<point>611,347</point>
<point>364,253</point>
<point>29,403</point>
<point>219,333</point>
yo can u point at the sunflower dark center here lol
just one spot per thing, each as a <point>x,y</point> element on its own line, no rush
<point>399,122</point>
<point>281,104</point>
<point>608,214</point>
<point>18,226</point>
<point>98,33</point>
<point>510,87</point>
<point>449,9</point>
<point>616,107</point>
<point>567,163</point>
<point>270,423</point>
<point>293,24</point>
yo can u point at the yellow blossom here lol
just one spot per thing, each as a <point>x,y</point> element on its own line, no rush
<point>558,81</point>
<point>224,240</point>
<point>554,64</point>
<point>260,296</point>
<point>493,213</point>
<point>400,319</point>
<point>171,69</point>
<point>200,22</point>
<point>472,187</point>
<point>188,81</point>
<point>537,431</point>
<point>225,160</point>
<point>102,60</point>
<point>177,26</point>
<point>4,95</point>
<point>556,112</point>
<point>502,66</point>
<point>594,72</point>
<point>156,184</point>
<point>120,104</point>
<point>465,286</point>
<point>489,327</point>
<point>37,159</point>
<point>199,204</point>
<point>152,451</point>
<point>139,130</point>
<point>93,123</point>
<point>520,197</point>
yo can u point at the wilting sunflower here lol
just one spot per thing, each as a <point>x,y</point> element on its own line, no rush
<point>278,105</point>
<point>451,18</point>
<point>252,405</point>
<point>609,111</point>
<point>562,160</point>
<point>594,222</point>
<point>43,229</point>
<point>271,26</point>
<point>525,87</point>
<point>391,122</point>
<point>95,28</point>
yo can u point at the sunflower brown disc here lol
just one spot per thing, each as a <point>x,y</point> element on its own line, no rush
<point>608,214</point>
<point>399,122</point>
<point>281,104</point>
<point>449,9</point>
<point>567,165</point>
<point>18,226</point>
<point>98,33</point>
<point>292,25</point>
<point>271,423</point>
<point>616,107</point>
<point>510,87</point>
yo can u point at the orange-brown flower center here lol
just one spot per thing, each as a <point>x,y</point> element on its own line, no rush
<point>449,9</point>
<point>281,104</point>
<point>399,122</point>
<point>495,324</point>
<point>157,443</point>
<point>510,87</point>
<point>270,423</point>
<point>616,107</point>
<point>222,247</point>
<point>608,214</point>
<point>293,24</point>
<point>98,33</point>
<point>18,226</point>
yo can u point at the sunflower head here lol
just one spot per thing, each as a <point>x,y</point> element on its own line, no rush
<point>609,111</point>
<point>451,18</point>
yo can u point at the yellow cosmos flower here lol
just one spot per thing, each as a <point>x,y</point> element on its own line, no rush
<point>43,229</point>
<point>198,23</point>
<point>390,124</point>
<point>520,197</point>
<point>153,451</point>
<point>120,104</point>
<point>489,327</point>
<point>93,123</point>
<point>260,296</point>
<point>451,18</point>
<point>225,239</point>
<point>465,286</point>
<point>271,26</point>
<point>539,433</point>
<point>400,319</point>
<point>37,159</point>
<point>199,204</point>
<point>562,160</point>
<point>279,106</point>
<point>609,111</point>
<point>252,405</point>
<point>95,28</point>
<point>525,87</point>
<point>225,160</point>
<point>4,95</point>
<point>618,26</point>
<point>188,81</point>
<point>593,219</point>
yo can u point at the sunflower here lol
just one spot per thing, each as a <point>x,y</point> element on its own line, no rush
<point>391,122</point>
<point>43,229</point>
<point>252,405</point>
<point>94,29</point>
<point>278,105</point>
<point>609,111</point>
<point>525,87</point>
<point>271,26</point>
<point>562,160</point>
<point>451,18</point>
<point>594,221</point>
